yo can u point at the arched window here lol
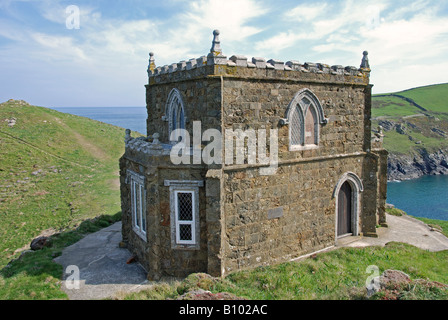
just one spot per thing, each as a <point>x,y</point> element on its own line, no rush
<point>305,115</point>
<point>175,112</point>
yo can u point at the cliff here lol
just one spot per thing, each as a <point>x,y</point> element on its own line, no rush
<point>403,167</point>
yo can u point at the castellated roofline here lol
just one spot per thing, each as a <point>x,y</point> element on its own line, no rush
<point>216,58</point>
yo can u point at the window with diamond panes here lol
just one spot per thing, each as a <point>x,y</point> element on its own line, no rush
<point>185,223</point>
<point>296,127</point>
<point>305,115</point>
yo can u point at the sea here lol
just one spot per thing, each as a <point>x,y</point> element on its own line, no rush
<point>425,197</point>
<point>133,118</point>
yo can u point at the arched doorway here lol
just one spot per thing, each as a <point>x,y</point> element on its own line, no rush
<point>347,194</point>
<point>344,226</point>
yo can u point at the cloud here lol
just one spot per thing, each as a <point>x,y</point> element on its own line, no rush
<point>400,37</point>
<point>306,12</point>
<point>110,51</point>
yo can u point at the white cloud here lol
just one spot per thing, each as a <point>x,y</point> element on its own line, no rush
<point>400,39</point>
<point>113,52</point>
<point>306,12</point>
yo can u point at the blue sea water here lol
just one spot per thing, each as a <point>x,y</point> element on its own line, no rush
<point>133,118</point>
<point>425,197</point>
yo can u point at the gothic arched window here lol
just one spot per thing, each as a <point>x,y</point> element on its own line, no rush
<point>305,115</point>
<point>175,112</point>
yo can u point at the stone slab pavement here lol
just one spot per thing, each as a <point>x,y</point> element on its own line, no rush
<point>402,229</point>
<point>102,265</point>
<point>104,272</point>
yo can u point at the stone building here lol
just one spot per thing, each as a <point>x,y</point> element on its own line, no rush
<point>310,173</point>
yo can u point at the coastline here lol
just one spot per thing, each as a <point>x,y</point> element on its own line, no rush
<point>413,166</point>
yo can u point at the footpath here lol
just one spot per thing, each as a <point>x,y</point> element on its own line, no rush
<point>104,272</point>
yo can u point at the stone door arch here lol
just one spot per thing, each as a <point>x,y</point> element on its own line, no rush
<point>347,195</point>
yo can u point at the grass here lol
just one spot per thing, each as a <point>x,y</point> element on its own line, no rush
<point>34,275</point>
<point>340,274</point>
<point>395,212</point>
<point>57,171</point>
<point>441,225</point>
<point>433,97</point>
<point>399,143</point>
<point>336,275</point>
<point>392,107</point>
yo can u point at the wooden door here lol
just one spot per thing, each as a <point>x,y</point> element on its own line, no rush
<point>345,209</point>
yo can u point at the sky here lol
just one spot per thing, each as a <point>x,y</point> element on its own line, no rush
<point>57,53</point>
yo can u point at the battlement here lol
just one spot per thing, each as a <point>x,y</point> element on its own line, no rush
<point>216,63</point>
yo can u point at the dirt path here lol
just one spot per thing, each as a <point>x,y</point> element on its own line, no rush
<point>94,150</point>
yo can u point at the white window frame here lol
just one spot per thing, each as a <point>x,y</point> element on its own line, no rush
<point>184,186</point>
<point>190,223</point>
<point>138,212</point>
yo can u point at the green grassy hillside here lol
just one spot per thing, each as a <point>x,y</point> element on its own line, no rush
<point>413,119</point>
<point>433,98</point>
<point>58,173</point>
<point>56,170</point>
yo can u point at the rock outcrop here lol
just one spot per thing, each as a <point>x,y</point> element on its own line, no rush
<point>404,167</point>
<point>419,161</point>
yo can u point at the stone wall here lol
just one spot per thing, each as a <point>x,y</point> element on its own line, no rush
<point>201,95</point>
<point>156,253</point>
<point>275,218</point>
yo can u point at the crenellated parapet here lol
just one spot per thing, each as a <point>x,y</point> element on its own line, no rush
<point>216,63</point>
<point>147,145</point>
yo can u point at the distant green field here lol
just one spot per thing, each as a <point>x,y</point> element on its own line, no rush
<point>392,107</point>
<point>434,98</point>
<point>421,126</point>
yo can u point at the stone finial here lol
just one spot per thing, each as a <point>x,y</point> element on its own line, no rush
<point>216,46</point>
<point>215,56</point>
<point>152,63</point>
<point>294,65</point>
<point>365,61</point>
<point>191,64</point>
